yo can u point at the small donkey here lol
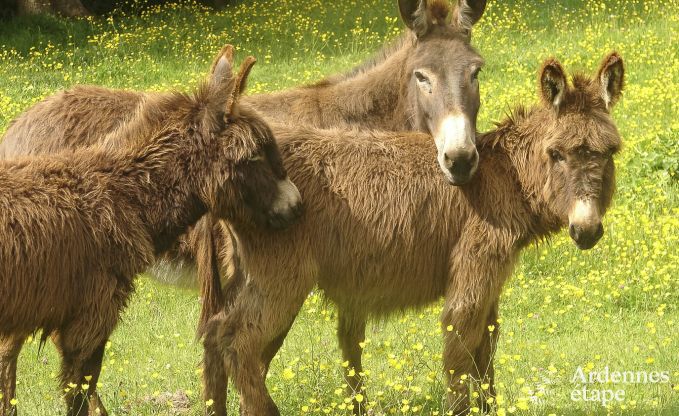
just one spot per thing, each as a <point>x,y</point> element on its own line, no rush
<point>77,227</point>
<point>382,233</point>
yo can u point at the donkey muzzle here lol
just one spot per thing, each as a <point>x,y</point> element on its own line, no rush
<point>585,226</point>
<point>461,164</point>
<point>586,237</point>
<point>455,139</point>
<point>288,207</point>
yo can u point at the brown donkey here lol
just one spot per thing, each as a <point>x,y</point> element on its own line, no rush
<point>382,234</point>
<point>78,226</point>
<point>426,81</point>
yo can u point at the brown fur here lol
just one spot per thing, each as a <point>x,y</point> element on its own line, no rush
<point>383,233</point>
<point>78,226</point>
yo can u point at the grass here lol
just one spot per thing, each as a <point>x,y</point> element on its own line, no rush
<point>614,306</point>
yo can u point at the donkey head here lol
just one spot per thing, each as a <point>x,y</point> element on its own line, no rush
<point>443,89</point>
<point>580,144</point>
<point>250,183</point>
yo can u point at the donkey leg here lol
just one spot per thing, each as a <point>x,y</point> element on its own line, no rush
<point>215,379</point>
<point>272,348</point>
<point>267,355</point>
<point>255,321</point>
<point>80,370</point>
<point>9,354</point>
<point>351,333</point>
<point>484,357</point>
<point>467,316</point>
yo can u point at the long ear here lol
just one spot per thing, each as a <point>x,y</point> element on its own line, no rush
<point>611,77</point>
<point>468,12</point>
<point>221,74</point>
<point>409,10</point>
<point>421,15</point>
<point>241,81</point>
<point>552,83</point>
<point>220,85</point>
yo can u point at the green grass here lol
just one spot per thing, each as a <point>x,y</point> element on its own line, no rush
<point>615,305</point>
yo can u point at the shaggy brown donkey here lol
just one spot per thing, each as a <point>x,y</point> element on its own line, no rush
<point>78,226</point>
<point>383,234</point>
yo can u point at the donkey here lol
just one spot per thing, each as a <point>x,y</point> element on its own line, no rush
<point>427,81</point>
<point>381,234</point>
<point>76,227</point>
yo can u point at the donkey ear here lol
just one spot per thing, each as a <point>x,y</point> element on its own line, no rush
<point>469,12</point>
<point>221,73</point>
<point>409,9</point>
<point>421,15</point>
<point>552,83</point>
<point>611,77</point>
<point>241,81</point>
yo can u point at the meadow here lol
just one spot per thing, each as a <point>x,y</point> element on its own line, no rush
<point>614,306</point>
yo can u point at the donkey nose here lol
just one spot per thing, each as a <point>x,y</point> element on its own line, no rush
<point>462,164</point>
<point>586,236</point>
<point>285,218</point>
<point>288,207</point>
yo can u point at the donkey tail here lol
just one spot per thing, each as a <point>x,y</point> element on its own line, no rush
<point>206,252</point>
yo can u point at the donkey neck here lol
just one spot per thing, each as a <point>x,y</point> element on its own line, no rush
<point>520,138</point>
<point>162,180</point>
<point>373,95</point>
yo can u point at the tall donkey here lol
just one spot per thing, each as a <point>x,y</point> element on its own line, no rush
<point>78,226</point>
<point>426,81</point>
<point>382,234</point>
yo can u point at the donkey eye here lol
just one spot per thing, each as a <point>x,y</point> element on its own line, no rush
<point>475,74</point>
<point>423,82</point>
<point>420,77</point>
<point>256,158</point>
<point>556,156</point>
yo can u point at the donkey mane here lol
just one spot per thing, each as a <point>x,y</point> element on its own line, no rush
<point>156,111</point>
<point>405,39</point>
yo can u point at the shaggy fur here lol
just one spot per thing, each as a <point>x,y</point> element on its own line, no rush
<point>383,233</point>
<point>78,226</point>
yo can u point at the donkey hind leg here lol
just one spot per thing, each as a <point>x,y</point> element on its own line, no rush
<point>484,357</point>
<point>215,379</point>
<point>351,333</point>
<point>268,353</point>
<point>272,348</point>
<point>10,347</point>
<point>256,320</point>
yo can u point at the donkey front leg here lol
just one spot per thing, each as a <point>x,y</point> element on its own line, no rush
<point>351,333</point>
<point>463,325</point>
<point>80,370</point>
<point>485,354</point>
<point>9,353</point>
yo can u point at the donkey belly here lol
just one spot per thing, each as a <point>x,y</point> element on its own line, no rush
<point>378,285</point>
<point>174,271</point>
